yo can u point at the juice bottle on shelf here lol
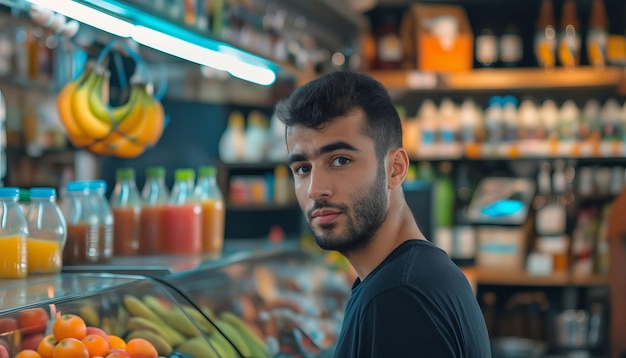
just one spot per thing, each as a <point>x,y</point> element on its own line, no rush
<point>89,224</point>
<point>569,36</point>
<point>155,196</point>
<point>597,34</point>
<point>126,206</point>
<point>47,232</point>
<point>210,197</point>
<point>181,222</point>
<point>511,46</point>
<point>13,232</point>
<point>545,36</point>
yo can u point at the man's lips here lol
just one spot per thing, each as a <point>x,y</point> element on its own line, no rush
<point>324,216</point>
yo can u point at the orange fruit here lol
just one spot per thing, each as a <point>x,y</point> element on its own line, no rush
<point>141,348</point>
<point>69,326</point>
<point>46,346</point>
<point>70,347</point>
<point>117,353</point>
<point>96,345</point>
<point>116,342</point>
<point>28,353</point>
<point>32,320</point>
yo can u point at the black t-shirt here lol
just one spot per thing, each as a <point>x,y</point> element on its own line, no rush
<point>416,303</point>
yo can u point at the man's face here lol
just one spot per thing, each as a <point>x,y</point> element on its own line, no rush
<point>340,185</point>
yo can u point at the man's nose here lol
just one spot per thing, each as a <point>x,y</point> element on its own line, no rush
<point>319,185</point>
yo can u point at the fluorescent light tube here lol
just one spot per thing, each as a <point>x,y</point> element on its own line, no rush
<point>88,15</point>
<point>203,56</point>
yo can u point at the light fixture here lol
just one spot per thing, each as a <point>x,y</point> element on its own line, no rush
<point>119,19</point>
<point>88,15</point>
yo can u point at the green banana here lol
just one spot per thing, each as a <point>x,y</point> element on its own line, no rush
<point>256,345</point>
<point>222,346</point>
<point>175,317</point>
<point>89,314</point>
<point>235,337</point>
<point>161,345</point>
<point>139,309</point>
<point>202,323</point>
<point>135,323</point>
<point>197,347</point>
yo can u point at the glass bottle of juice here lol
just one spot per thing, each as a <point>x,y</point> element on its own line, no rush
<point>545,36</point>
<point>597,34</point>
<point>47,232</point>
<point>126,206</point>
<point>89,224</point>
<point>13,232</point>
<point>155,196</point>
<point>181,222</point>
<point>569,36</point>
<point>208,193</point>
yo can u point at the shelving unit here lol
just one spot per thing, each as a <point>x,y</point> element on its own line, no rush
<point>503,79</point>
<point>561,279</point>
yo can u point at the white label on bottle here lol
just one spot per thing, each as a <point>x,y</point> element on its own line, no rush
<point>390,48</point>
<point>486,49</point>
<point>511,48</point>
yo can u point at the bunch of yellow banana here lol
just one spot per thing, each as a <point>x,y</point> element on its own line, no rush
<point>125,131</point>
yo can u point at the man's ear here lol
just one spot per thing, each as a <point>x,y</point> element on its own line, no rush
<point>398,167</point>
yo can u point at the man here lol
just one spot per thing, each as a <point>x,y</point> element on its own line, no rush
<point>344,139</point>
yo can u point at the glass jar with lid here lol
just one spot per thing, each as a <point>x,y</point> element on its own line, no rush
<point>89,224</point>
<point>47,231</point>
<point>13,232</point>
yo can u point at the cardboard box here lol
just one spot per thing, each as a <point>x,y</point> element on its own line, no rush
<point>503,248</point>
<point>430,42</point>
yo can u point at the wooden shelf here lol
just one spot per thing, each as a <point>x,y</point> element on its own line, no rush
<point>514,278</point>
<point>498,79</point>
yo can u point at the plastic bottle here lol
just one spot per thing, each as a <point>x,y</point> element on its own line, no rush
<point>13,233</point>
<point>545,36</point>
<point>256,137</point>
<point>549,114</point>
<point>89,224</point>
<point>597,34</point>
<point>487,48</point>
<point>494,121</point>
<point>155,196</point>
<point>511,46</point>
<point>208,193</point>
<point>126,206</point>
<point>589,120</point>
<point>509,117</point>
<point>47,232</point>
<point>181,222</point>
<point>569,36</point>
<point>568,121</point>
<point>427,116</point>
<point>232,143</point>
<point>449,123</point>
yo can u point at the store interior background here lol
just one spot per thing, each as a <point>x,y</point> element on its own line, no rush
<point>198,108</point>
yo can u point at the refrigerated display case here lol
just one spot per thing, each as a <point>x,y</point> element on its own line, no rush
<point>282,303</point>
<point>292,299</point>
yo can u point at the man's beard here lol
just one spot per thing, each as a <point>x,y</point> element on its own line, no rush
<point>363,219</point>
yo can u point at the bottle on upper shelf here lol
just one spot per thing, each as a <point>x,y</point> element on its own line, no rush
<point>545,36</point>
<point>597,34</point>
<point>569,36</point>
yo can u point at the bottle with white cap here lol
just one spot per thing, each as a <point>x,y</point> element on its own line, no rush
<point>47,232</point>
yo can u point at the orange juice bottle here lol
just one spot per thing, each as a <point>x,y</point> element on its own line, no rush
<point>155,196</point>
<point>208,193</point>
<point>47,232</point>
<point>569,36</point>
<point>545,36</point>
<point>13,232</point>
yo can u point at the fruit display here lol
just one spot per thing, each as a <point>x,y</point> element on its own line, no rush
<point>124,131</point>
<point>281,304</point>
<point>291,300</point>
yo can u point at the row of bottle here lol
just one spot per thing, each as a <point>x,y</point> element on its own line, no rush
<point>253,141</point>
<point>503,122</point>
<point>189,219</point>
<point>31,241</point>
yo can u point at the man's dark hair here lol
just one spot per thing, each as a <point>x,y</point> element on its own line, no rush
<point>322,100</point>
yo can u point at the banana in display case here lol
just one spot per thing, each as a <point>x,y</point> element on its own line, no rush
<point>286,303</point>
<point>73,315</point>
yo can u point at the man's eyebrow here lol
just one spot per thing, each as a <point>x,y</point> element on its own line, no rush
<point>331,147</point>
